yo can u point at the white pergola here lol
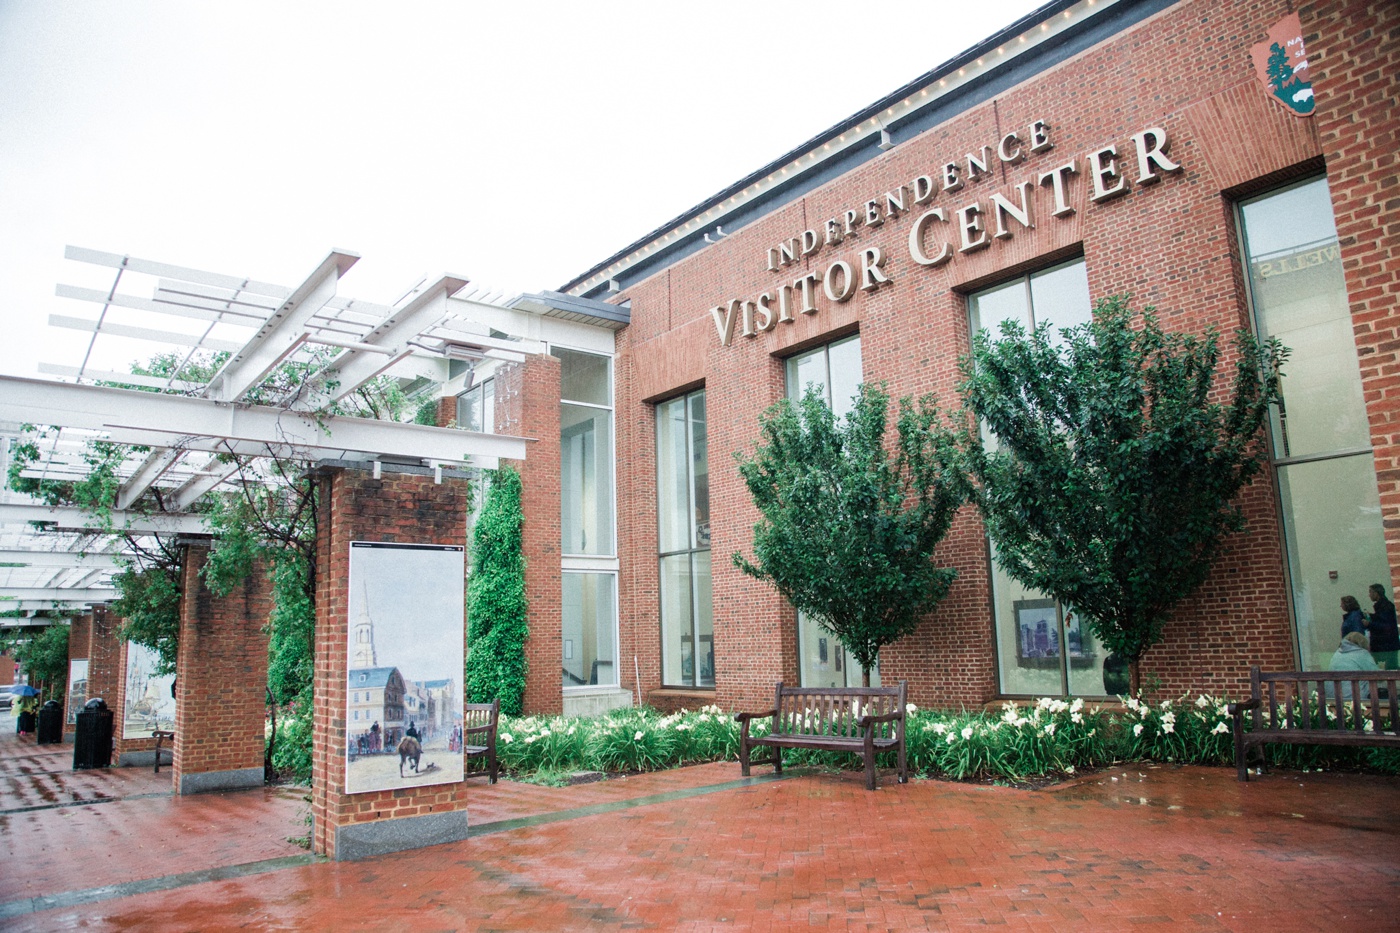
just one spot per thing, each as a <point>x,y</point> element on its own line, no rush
<point>188,426</point>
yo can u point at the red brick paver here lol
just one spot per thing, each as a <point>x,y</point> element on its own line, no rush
<point>1133,848</point>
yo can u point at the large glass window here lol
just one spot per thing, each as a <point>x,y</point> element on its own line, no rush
<point>835,371</point>
<point>1042,647</point>
<point>589,649</point>
<point>590,629</point>
<point>683,513</point>
<point>586,452</point>
<point>476,408</point>
<point>1321,441</point>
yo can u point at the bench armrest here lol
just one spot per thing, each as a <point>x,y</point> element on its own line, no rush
<point>1236,708</point>
<point>867,721</point>
<point>746,717</point>
<point>489,727</point>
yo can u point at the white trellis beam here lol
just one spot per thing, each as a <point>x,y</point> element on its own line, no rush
<point>162,420</point>
<point>71,518</point>
<point>150,470</point>
<point>64,559</point>
<point>91,594</point>
<point>283,332</point>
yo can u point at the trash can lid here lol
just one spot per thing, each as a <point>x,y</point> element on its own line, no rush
<point>95,703</point>
<point>51,703</point>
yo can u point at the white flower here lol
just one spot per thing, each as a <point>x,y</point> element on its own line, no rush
<point>939,727</point>
<point>1137,730</point>
<point>529,740</point>
<point>1050,729</point>
<point>967,732</point>
<point>1093,732</point>
<point>1076,717</point>
<point>1021,722</point>
<point>1069,769</point>
<point>506,738</point>
<point>1166,704</point>
<point>638,736</point>
<point>1169,717</point>
<point>571,730</point>
<point>1010,715</point>
<point>544,733</point>
<point>1223,709</point>
<point>1044,703</point>
<point>951,738</point>
<point>1077,705</point>
<point>1220,728</point>
<point>704,717</point>
<point>1202,702</point>
<point>1168,727</point>
<point>910,708</point>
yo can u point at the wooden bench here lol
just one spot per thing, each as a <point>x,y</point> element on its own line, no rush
<point>1311,707</point>
<point>862,720</point>
<point>161,735</point>
<point>479,736</point>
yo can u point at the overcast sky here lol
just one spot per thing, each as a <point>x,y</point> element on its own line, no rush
<point>515,144</point>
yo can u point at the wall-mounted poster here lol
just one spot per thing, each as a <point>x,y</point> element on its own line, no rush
<point>150,699</point>
<point>77,687</point>
<point>404,647</point>
<point>1038,635</point>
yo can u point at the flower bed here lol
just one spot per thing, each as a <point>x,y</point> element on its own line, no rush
<point>1021,742</point>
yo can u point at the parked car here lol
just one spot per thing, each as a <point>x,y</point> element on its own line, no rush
<point>7,699</point>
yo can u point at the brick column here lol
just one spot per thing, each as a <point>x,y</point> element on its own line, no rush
<point>220,683</point>
<point>104,657</point>
<point>527,405</point>
<point>79,649</point>
<point>406,507</point>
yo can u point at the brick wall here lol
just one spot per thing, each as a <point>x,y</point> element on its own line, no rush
<point>1170,243</point>
<point>356,507</point>
<point>527,405</point>
<point>1354,58</point>
<point>221,674</point>
<point>104,656</point>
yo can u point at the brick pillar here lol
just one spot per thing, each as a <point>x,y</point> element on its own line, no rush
<point>220,683</point>
<point>527,405</point>
<point>104,657</point>
<point>79,649</point>
<point>403,507</point>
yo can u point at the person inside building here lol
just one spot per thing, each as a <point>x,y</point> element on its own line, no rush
<point>1384,631</point>
<point>1352,619</point>
<point>1351,655</point>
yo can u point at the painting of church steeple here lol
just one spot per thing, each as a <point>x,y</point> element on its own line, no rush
<point>362,637</point>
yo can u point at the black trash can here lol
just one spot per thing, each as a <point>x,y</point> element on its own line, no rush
<point>92,744</point>
<point>51,723</point>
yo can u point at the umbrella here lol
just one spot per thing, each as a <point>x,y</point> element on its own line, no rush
<point>24,690</point>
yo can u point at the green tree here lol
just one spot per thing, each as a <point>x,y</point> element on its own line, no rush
<point>497,623</point>
<point>848,529</point>
<point>1279,70</point>
<point>44,657</point>
<point>1112,480</point>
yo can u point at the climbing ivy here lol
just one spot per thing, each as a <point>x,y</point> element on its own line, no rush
<point>497,623</point>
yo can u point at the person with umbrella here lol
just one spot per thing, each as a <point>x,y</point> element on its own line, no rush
<point>28,702</point>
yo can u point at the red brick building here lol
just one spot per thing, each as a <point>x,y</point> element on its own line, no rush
<point>1231,164</point>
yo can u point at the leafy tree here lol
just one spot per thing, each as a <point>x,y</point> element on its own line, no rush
<point>1112,479</point>
<point>497,623</point>
<point>44,657</point>
<point>1279,70</point>
<point>848,529</point>
<point>148,603</point>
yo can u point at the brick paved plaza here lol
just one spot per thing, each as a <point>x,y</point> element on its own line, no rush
<point>700,849</point>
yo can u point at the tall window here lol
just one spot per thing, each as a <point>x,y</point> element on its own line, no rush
<point>589,647</point>
<point>835,371</point>
<point>476,408</point>
<point>1043,648</point>
<point>586,451</point>
<point>1321,441</point>
<point>683,512</point>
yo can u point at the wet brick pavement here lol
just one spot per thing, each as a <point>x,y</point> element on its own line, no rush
<point>1135,848</point>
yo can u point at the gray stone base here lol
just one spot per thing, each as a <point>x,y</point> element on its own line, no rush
<point>589,703</point>
<point>147,758</point>
<point>204,782</point>
<point>363,840</point>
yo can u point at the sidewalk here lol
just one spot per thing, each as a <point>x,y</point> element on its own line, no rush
<point>700,849</point>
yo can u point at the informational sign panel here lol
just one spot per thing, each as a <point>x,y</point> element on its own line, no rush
<point>404,674</point>
<point>150,698</point>
<point>77,687</point>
